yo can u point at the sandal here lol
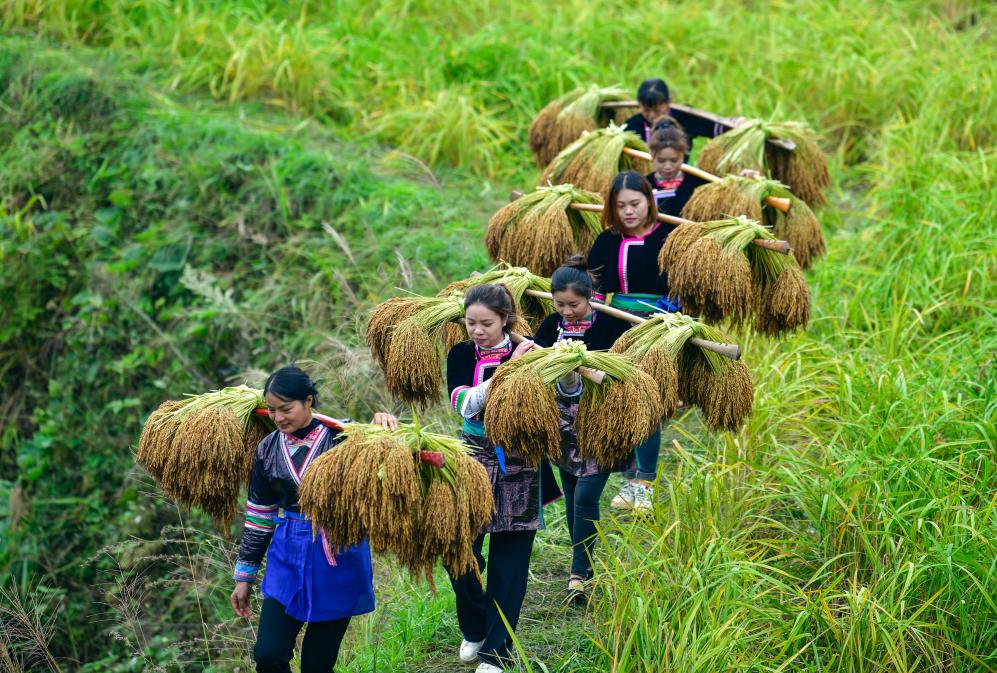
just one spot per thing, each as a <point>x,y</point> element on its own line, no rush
<point>576,590</point>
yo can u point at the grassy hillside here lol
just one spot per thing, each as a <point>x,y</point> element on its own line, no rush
<point>194,193</point>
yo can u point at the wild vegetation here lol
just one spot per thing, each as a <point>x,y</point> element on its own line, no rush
<point>194,193</point>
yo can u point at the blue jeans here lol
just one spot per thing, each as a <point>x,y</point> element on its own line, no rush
<point>581,502</point>
<point>647,458</point>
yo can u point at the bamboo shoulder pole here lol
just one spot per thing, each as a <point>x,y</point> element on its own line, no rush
<point>731,351</point>
<point>776,202</point>
<point>775,245</point>
<point>787,145</point>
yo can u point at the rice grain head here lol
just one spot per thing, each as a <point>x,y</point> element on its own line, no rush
<point>677,244</point>
<point>412,371</point>
<point>804,170</point>
<point>727,396</point>
<point>657,363</point>
<point>721,200</point>
<point>783,306</point>
<point>157,434</point>
<point>207,463</point>
<point>453,334</point>
<point>610,424</point>
<point>802,229</point>
<point>521,414</point>
<point>693,277</point>
<point>591,162</point>
<point>382,322</point>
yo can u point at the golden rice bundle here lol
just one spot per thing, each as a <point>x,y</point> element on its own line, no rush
<point>783,304</point>
<point>413,368</point>
<point>719,386</point>
<point>735,196</point>
<point>522,416</point>
<point>732,196</point>
<point>616,416</point>
<point>383,320</point>
<point>800,227</point>
<point>650,354</point>
<point>540,230</point>
<point>374,486</point>
<point>517,280</point>
<point>410,352</point>
<point>711,282</point>
<point>157,433</point>
<point>563,120</point>
<point>722,276</point>
<point>200,450</point>
<point>803,170</point>
<point>592,161</point>
<point>677,243</point>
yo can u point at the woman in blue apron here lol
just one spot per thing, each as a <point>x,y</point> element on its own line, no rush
<point>624,259</point>
<point>519,490</point>
<point>305,581</point>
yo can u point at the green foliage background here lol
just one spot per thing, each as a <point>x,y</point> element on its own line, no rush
<point>194,193</point>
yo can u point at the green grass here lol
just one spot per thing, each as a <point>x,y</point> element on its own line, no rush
<point>216,188</point>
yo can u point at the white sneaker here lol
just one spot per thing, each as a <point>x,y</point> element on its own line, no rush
<point>469,651</point>
<point>485,667</point>
<point>643,497</point>
<point>625,498</point>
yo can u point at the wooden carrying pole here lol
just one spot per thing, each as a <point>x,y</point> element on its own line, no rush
<point>776,202</point>
<point>593,375</point>
<point>434,458</point>
<point>776,245</point>
<point>787,145</point>
<point>731,351</point>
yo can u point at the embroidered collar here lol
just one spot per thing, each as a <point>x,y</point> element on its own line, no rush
<point>577,327</point>
<point>669,184</point>
<point>290,445</point>
<point>497,350</point>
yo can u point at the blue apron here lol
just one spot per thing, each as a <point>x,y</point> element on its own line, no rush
<point>310,582</point>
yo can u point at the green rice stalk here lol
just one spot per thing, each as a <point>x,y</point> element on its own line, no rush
<point>592,161</point>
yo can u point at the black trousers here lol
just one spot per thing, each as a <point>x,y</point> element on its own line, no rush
<point>276,636</point>
<point>581,501</point>
<point>478,607</point>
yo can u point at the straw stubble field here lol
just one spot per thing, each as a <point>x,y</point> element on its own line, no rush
<point>849,527</point>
